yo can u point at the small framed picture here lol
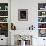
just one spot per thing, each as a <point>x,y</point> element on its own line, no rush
<point>23,14</point>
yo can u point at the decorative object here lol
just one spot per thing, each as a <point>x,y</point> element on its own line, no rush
<point>22,43</point>
<point>41,6</point>
<point>3,6</point>
<point>23,14</point>
<point>42,13</point>
<point>42,19</point>
<point>13,27</point>
<point>0,7</point>
<point>23,40</point>
<point>6,7</point>
<point>31,27</point>
<point>42,32</point>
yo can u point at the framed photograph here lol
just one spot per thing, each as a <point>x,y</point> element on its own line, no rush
<point>23,14</point>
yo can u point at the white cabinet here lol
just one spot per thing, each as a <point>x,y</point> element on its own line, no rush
<point>41,41</point>
<point>4,21</point>
<point>3,40</point>
<point>42,19</point>
<point>41,24</point>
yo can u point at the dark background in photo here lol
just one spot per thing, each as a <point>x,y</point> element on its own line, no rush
<point>23,14</point>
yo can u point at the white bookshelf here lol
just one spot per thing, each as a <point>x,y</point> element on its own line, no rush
<point>42,18</point>
<point>2,42</point>
<point>4,18</point>
<point>3,12</point>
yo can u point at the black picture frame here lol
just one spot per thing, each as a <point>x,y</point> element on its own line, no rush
<point>22,14</point>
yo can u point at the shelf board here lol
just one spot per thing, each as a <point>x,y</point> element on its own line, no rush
<point>41,28</point>
<point>3,22</point>
<point>3,16</point>
<point>41,37</point>
<point>41,10</point>
<point>42,16</point>
<point>41,22</point>
<point>3,10</point>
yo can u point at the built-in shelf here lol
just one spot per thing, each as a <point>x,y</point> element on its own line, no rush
<point>4,19</point>
<point>3,22</point>
<point>42,19</point>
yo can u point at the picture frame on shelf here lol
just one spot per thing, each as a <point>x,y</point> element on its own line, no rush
<point>41,19</point>
<point>3,6</point>
<point>22,14</point>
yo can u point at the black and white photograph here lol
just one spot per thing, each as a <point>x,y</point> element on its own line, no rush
<point>23,14</point>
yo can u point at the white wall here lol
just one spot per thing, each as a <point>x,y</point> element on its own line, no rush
<point>32,13</point>
<point>32,6</point>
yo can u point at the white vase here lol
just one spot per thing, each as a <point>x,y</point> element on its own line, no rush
<point>22,43</point>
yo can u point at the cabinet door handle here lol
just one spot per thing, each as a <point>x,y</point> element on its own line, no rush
<point>1,39</point>
<point>43,39</point>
